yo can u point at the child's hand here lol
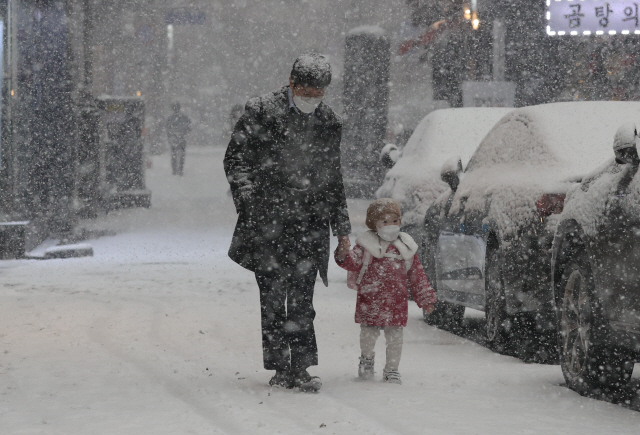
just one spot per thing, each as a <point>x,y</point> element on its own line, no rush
<point>340,254</point>
<point>343,248</point>
<point>429,308</point>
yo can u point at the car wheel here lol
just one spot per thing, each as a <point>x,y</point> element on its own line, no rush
<point>498,322</point>
<point>446,315</point>
<point>587,365</point>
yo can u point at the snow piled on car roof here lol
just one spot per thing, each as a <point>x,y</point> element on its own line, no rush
<point>414,181</point>
<point>574,137</point>
<point>537,150</point>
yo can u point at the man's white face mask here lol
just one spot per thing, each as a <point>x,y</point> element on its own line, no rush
<point>306,104</point>
<point>389,232</point>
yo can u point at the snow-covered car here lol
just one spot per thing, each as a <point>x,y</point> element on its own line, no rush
<point>488,239</point>
<point>414,181</point>
<point>596,275</point>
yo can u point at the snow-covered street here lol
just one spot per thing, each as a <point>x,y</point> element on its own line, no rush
<point>159,333</point>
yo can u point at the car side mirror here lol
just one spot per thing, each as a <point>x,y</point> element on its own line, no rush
<point>450,173</point>
<point>389,155</point>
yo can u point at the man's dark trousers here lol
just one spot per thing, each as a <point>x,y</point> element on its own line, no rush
<point>288,336</point>
<point>287,314</point>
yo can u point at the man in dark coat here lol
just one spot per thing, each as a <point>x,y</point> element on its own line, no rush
<point>283,165</point>
<point>178,126</point>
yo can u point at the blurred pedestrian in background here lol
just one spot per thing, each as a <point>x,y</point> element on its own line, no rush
<point>178,126</point>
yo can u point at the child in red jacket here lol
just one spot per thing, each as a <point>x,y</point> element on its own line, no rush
<point>383,266</point>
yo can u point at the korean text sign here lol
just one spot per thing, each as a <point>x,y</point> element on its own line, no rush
<point>586,17</point>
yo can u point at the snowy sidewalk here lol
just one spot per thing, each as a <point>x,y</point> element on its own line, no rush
<point>159,333</point>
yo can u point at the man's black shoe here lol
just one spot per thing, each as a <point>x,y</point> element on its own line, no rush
<point>306,382</point>
<point>282,378</point>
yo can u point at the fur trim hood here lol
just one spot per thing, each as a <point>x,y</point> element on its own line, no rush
<point>405,244</point>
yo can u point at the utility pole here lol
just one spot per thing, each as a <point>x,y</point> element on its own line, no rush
<point>88,157</point>
<point>87,46</point>
<point>499,50</point>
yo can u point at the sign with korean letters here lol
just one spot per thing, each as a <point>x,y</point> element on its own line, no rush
<point>593,17</point>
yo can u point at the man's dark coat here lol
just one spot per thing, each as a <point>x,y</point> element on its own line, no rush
<point>273,211</point>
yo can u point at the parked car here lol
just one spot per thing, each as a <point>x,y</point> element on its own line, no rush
<point>487,240</point>
<point>414,180</point>
<point>596,274</point>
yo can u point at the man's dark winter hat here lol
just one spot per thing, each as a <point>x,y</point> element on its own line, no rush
<point>311,69</point>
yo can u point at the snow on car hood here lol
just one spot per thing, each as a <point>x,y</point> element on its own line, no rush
<point>537,150</point>
<point>414,181</point>
<point>587,201</point>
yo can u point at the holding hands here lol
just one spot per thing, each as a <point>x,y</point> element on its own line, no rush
<point>344,244</point>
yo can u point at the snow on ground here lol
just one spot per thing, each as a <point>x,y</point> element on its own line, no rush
<point>159,333</point>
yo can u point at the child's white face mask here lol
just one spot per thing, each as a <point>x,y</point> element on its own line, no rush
<point>389,232</point>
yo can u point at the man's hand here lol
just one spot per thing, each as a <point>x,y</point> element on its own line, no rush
<point>246,192</point>
<point>244,197</point>
<point>429,308</point>
<point>343,248</point>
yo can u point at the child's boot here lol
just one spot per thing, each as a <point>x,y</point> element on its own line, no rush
<point>391,377</point>
<point>365,369</point>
